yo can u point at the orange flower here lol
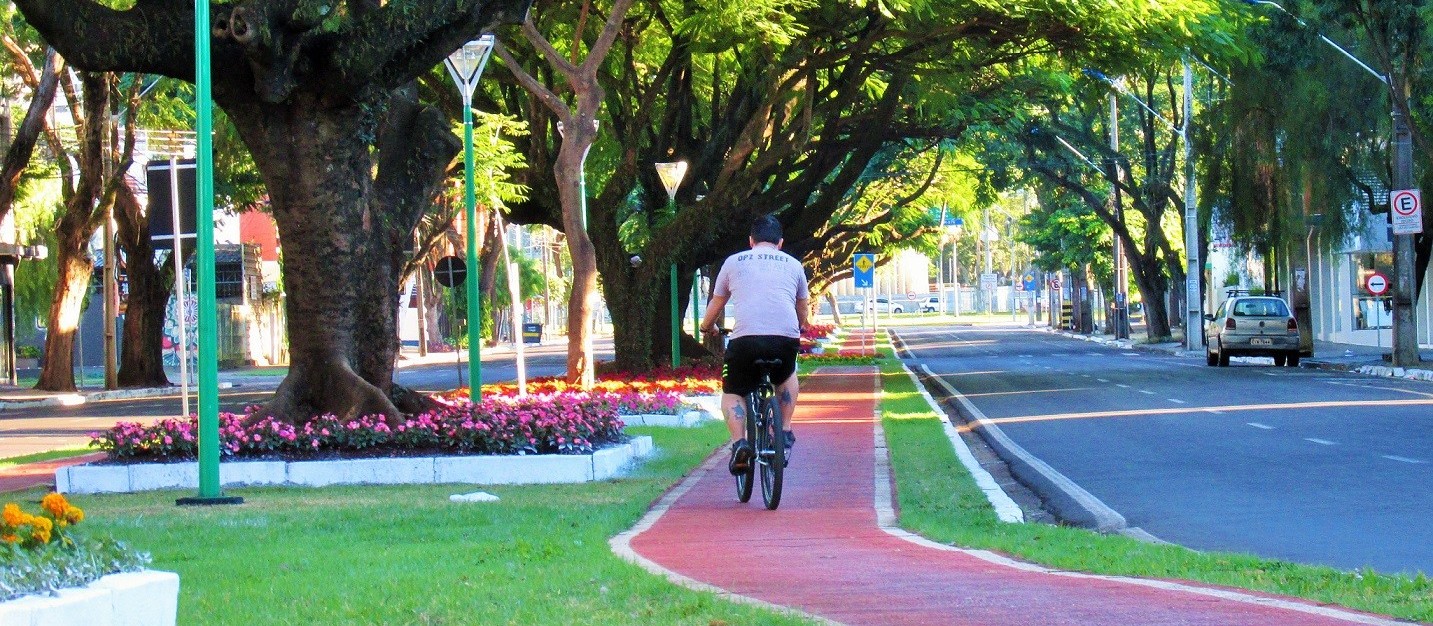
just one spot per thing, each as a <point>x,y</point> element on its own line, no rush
<point>13,515</point>
<point>40,528</point>
<point>55,504</point>
<point>9,539</point>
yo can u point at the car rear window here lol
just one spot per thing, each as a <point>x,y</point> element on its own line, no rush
<point>1261,307</point>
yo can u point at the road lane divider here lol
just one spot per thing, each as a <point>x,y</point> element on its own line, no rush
<point>1070,501</point>
<point>1322,442</point>
<point>1261,426</point>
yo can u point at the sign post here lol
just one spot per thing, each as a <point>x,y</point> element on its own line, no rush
<point>863,270</point>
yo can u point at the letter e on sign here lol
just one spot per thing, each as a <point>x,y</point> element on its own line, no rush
<point>1407,209</point>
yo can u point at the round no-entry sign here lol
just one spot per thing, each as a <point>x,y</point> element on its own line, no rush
<point>1376,284</point>
<point>911,295</point>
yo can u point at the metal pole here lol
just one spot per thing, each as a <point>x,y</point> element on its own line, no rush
<point>1118,319</point>
<point>209,487</point>
<point>422,301</point>
<point>470,203</point>
<point>181,286</point>
<point>676,322</point>
<point>1193,303</point>
<point>111,302</point>
<point>1405,329</point>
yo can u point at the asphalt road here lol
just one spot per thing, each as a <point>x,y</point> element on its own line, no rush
<point>1304,465</point>
<point>37,429</point>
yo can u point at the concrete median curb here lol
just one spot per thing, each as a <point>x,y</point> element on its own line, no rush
<point>77,399</point>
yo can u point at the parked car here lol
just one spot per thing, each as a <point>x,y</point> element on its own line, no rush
<point>931,305</point>
<point>883,305</point>
<point>1247,325</point>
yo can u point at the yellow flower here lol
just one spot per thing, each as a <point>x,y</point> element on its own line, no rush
<point>9,538</point>
<point>74,515</point>
<point>13,515</point>
<point>55,504</point>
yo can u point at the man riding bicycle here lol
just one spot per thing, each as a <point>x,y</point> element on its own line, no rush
<point>768,292</point>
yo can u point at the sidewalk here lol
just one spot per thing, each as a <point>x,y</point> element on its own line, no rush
<point>832,551</point>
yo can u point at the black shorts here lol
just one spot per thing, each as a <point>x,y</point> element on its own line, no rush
<point>740,377</point>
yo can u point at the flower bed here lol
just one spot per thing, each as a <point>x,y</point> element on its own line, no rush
<point>41,554</point>
<point>697,379</point>
<point>538,424</point>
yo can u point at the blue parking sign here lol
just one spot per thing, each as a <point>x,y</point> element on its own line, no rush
<point>863,269</point>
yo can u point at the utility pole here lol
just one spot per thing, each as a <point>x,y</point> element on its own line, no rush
<point>1193,303</point>
<point>1118,319</point>
<point>1405,329</point>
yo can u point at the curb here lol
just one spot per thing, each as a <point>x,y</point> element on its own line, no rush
<point>1065,499</point>
<point>77,399</point>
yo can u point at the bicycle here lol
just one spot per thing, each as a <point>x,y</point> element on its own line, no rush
<point>765,434</point>
<point>768,439</point>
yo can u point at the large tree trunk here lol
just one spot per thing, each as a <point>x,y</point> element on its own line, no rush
<point>582,298</point>
<point>72,234</point>
<point>348,238</point>
<point>141,357</point>
<point>75,267</point>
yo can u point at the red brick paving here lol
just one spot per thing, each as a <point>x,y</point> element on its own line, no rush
<point>823,553</point>
<point>39,474</point>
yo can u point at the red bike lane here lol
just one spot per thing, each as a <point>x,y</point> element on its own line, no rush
<point>827,554</point>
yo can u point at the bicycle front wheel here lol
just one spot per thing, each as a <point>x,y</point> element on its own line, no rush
<point>771,452</point>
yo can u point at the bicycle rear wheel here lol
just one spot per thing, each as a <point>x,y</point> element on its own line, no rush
<point>745,480</point>
<point>771,452</point>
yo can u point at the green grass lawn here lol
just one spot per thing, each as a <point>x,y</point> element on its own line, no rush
<point>39,457</point>
<point>406,555</point>
<point>938,499</point>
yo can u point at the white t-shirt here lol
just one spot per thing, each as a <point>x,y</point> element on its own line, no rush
<point>764,284</point>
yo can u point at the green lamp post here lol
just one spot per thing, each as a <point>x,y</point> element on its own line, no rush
<point>466,66</point>
<point>671,175</point>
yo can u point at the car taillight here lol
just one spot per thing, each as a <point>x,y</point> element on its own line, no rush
<point>1229,323</point>
<point>1293,325</point>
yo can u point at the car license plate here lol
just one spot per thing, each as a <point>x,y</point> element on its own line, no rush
<point>1262,342</point>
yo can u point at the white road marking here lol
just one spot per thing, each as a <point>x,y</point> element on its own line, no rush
<point>1122,386</point>
<point>1322,442</point>
<point>1085,375</point>
<point>1175,400</point>
<point>1403,459</point>
<point>1146,392</point>
<point>1103,380</point>
<point>1214,411</point>
<point>1262,426</point>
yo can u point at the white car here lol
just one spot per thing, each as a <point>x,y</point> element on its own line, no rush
<point>931,305</point>
<point>883,305</point>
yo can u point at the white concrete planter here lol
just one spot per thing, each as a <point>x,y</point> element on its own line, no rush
<point>687,419</point>
<point>709,404</point>
<point>144,598</point>
<point>486,469</point>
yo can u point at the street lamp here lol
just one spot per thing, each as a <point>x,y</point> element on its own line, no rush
<point>210,491</point>
<point>671,175</point>
<point>1405,333</point>
<point>466,65</point>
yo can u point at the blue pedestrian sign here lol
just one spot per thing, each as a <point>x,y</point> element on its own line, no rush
<point>863,269</point>
<point>1028,282</point>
